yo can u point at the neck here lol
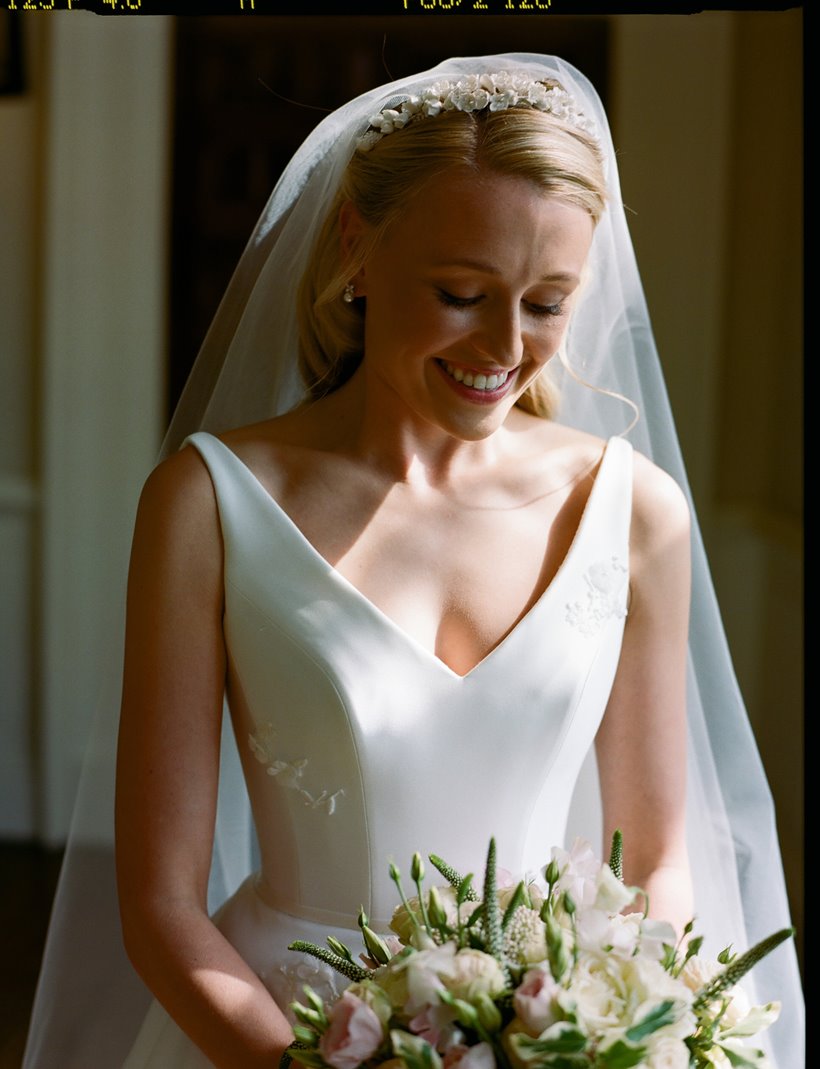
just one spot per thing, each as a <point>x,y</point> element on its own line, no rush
<point>367,419</point>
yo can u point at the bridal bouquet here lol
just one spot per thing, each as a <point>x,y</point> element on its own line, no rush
<point>529,977</point>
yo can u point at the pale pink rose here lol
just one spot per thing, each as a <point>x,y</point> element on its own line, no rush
<point>478,1057</point>
<point>437,1025</point>
<point>454,1055</point>
<point>354,1035</point>
<point>394,944</point>
<point>534,1001</point>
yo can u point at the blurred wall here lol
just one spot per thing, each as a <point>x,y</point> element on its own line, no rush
<point>711,165</point>
<point>84,190</point>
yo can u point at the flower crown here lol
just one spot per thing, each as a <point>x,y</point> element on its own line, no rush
<point>475,92</point>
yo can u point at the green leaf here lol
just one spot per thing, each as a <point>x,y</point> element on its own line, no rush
<point>665,1013</point>
<point>465,891</point>
<point>725,957</point>
<point>619,1056</point>
<point>560,1038</point>
<point>518,899</point>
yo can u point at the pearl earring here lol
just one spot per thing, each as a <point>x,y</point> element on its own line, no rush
<point>348,296</point>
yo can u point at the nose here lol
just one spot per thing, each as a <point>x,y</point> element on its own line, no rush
<point>498,335</point>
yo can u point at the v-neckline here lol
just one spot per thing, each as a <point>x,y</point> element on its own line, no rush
<point>370,606</point>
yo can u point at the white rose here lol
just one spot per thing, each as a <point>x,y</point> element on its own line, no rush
<point>597,996</point>
<point>474,973</point>
<point>650,984</point>
<point>668,1053</point>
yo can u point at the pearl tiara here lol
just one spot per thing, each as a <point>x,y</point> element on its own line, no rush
<point>475,92</point>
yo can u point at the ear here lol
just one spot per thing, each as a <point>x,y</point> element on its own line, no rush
<point>352,229</point>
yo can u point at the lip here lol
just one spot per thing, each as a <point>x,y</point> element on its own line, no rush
<point>481,397</point>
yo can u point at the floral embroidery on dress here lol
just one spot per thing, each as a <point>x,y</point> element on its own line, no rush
<point>604,598</point>
<point>287,983</point>
<point>289,773</point>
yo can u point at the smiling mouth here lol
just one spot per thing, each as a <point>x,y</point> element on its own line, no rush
<point>476,380</point>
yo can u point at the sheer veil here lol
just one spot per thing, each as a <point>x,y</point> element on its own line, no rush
<point>89,1003</point>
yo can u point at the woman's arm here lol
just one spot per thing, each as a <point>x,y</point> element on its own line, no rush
<point>167,771</point>
<point>641,744</point>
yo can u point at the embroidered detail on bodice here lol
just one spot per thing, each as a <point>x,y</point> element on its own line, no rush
<point>289,773</point>
<point>604,597</point>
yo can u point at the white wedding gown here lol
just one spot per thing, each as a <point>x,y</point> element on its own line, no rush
<point>360,746</point>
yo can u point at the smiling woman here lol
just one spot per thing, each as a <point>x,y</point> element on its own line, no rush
<point>540,154</point>
<point>425,602</point>
<point>478,273</point>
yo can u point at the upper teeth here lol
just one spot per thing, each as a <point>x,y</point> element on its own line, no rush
<point>478,381</point>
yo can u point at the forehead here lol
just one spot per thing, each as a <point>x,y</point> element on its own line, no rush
<point>462,214</point>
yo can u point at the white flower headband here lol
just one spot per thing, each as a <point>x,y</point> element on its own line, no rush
<point>475,92</point>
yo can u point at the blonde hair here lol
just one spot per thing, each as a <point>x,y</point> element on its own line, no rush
<point>562,160</point>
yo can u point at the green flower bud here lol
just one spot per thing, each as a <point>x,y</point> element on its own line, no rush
<point>417,868</point>
<point>376,947</point>
<point>556,952</point>
<point>489,1014</point>
<point>339,948</point>
<point>436,910</point>
<point>313,999</point>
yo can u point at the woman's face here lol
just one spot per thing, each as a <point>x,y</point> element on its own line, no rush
<point>469,294</point>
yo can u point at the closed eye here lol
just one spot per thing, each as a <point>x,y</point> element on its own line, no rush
<point>546,309</point>
<point>453,301</point>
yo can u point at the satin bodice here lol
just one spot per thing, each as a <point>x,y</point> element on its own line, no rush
<point>360,746</point>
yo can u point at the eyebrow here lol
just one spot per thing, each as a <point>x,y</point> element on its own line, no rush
<point>490,269</point>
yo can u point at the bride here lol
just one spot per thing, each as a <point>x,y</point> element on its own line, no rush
<point>411,546</point>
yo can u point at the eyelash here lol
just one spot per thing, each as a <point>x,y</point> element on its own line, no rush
<point>540,310</point>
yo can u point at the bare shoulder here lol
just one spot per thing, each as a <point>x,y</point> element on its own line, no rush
<point>179,487</point>
<point>659,504</point>
<point>177,519</point>
<point>660,520</point>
